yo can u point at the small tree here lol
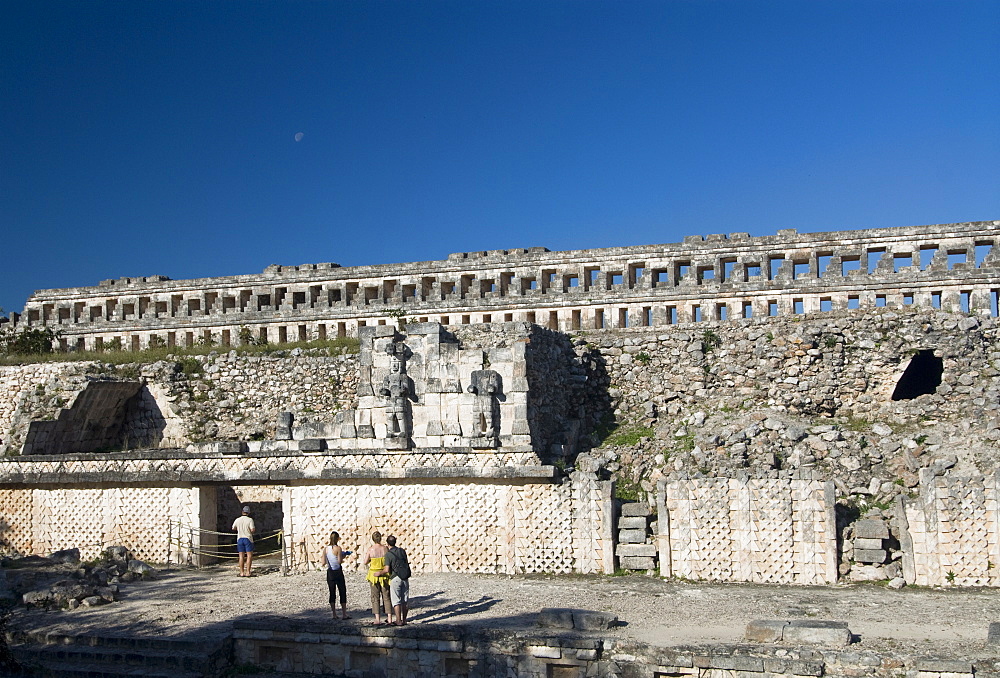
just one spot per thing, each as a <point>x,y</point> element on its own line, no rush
<point>28,342</point>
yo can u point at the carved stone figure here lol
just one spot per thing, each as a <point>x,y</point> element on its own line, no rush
<point>397,389</point>
<point>486,387</point>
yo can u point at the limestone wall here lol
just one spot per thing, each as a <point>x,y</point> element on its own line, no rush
<point>718,277</point>
<point>954,529</point>
<point>771,531</point>
<point>43,520</point>
<point>459,527</point>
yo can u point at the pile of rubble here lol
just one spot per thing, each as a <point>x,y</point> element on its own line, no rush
<point>61,581</point>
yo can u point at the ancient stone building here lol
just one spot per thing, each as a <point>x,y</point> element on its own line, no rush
<point>792,409</point>
<point>716,277</point>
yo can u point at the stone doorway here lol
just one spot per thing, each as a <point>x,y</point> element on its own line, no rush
<point>267,513</point>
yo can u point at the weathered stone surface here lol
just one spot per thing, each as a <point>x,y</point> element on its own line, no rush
<point>632,536</point>
<point>636,509</point>
<point>870,556</point>
<point>993,634</point>
<point>867,544</point>
<point>867,528</point>
<point>765,630</point>
<point>625,550</point>
<point>817,632</point>
<point>637,563</point>
<point>638,523</point>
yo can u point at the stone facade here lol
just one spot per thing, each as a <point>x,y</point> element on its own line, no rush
<point>770,531</point>
<point>718,277</point>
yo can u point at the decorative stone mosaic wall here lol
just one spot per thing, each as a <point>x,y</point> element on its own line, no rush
<point>460,527</point>
<point>954,529</point>
<point>773,531</point>
<point>40,521</point>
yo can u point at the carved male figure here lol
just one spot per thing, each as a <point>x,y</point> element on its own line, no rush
<point>396,389</point>
<point>485,386</point>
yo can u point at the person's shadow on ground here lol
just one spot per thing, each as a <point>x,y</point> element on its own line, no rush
<point>455,609</point>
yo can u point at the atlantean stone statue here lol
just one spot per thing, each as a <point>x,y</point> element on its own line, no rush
<point>397,389</point>
<point>485,386</point>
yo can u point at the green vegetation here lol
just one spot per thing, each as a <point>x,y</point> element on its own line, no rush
<point>643,358</point>
<point>710,341</point>
<point>27,342</point>
<point>113,353</point>
<point>628,489</point>
<point>630,436</point>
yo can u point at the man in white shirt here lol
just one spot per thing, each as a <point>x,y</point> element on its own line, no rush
<point>245,528</point>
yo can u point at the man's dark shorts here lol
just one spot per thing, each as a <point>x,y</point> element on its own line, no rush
<point>244,545</point>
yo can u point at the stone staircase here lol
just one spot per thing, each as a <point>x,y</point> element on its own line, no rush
<point>89,655</point>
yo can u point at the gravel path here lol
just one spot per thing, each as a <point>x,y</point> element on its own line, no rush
<point>201,603</point>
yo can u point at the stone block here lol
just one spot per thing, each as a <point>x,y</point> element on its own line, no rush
<point>544,651</point>
<point>871,528</point>
<point>943,665</point>
<point>867,544</point>
<point>993,635</point>
<point>637,523</point>
<point>869,555</point>
<point>637,563</point>
<point>793,667</point>
<point>817,632</point>
<point>556,618</point>
<point>591,620</point>
<point>632,536</point>
<point>630,550</point>
<point>737,663</point>
<point>765,630</point>
<point>636,509</point>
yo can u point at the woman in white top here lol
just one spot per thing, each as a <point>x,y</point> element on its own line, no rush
<point>333,555</point>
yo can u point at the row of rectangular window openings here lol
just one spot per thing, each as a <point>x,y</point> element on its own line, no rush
<point>703,273</point>
<point>624,319</point>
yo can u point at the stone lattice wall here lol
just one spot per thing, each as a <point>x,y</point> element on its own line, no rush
<point>954,529</point>
<point>772,531</point>
<point>40,521</point>
<point>461,527</point>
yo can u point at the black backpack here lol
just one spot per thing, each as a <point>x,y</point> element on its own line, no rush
<point>399,567</point>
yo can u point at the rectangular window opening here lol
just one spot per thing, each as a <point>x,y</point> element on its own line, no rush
<point>901,261</point>
<point>879,301</point>
<point>616,278</point>
<point>956,258</point>
<point>963,301</point>
<point>981,251</point>
<point>774,265</point>
<point>873,259</point>
<point>722,312</point>
<point>926,255</point>
<point>826,305</point>
<point>848,264</point>
<point>798,307</point>
<point>706,273</point>
<point>823,263</point>
<point>623,317</point>
<point>671,315</point>
<point>575,320</point>
<point>599,319</point>
<point>855,302</point>
<point>908,299</point>
<point>747,309</point>
<point>772,308</point>
<point>661,278</point>
<point>935,300</point>
<point>801,269</point>
<point>753,270</point>
<point>696,313</point>
<point>727,269</point>
<point>647,316</point>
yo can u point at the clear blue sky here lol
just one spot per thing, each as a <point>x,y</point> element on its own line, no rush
<point>141,138</point>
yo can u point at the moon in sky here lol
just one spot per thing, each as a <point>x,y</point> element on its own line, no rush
<point>298,136</point>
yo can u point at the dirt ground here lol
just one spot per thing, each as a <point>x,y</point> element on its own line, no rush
<point>949,623</point>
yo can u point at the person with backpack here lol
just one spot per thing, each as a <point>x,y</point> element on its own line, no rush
<point>397,567</point>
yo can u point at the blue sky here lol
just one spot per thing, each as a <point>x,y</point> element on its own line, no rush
<point>141,138</point>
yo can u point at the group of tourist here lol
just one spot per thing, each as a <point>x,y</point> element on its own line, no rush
<point>388,574</point>
<point>388,571</point>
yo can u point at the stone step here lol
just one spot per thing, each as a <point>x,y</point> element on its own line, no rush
<point>45,636</point>
<point>127,659</point>
<point>58,669</point>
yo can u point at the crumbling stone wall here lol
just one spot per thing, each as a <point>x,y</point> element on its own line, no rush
<point>200,398</point>
<point>765,397</point>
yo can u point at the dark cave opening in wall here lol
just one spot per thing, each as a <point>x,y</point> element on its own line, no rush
<point>922,376</point>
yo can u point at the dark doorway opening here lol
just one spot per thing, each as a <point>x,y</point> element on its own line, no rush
<point>922,376</point>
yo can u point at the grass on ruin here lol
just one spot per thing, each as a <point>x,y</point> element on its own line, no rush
<point>149,355</point>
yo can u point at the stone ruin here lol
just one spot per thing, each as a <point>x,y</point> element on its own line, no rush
<point>788,409</point>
